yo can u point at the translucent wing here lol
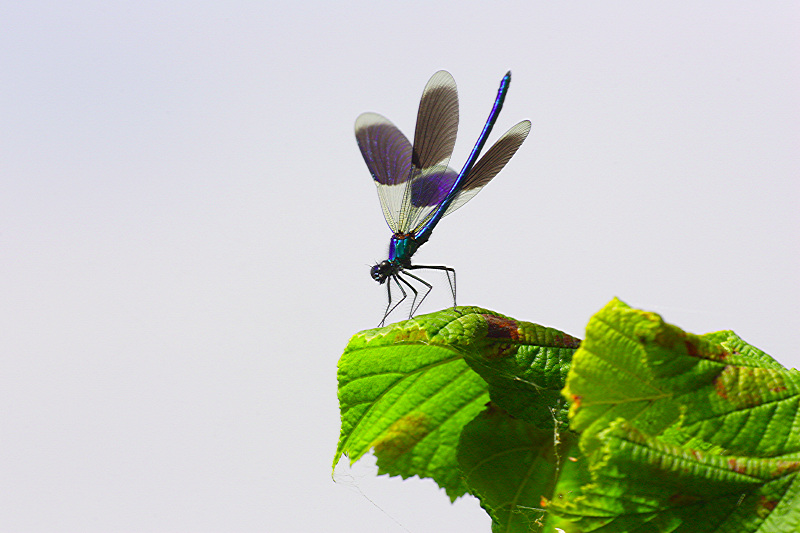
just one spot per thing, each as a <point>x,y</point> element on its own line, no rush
<point>437,122</point>
<point>387,153</point>
<point>434,139</point>
<point>491,164</point>
<point>395,165</point>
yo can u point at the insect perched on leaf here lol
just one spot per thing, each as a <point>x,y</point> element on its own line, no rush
<point>415,185</point>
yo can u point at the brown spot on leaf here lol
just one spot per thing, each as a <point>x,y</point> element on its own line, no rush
<point>567,341</point>
<point>679,499</point>
<point>768,504</point>
<point>745,386</point>
<point>784,467</point>
<point>720,383</point>
<point>402,436</point>
<point>501,328</point>
<point>736,466</point>
<point>691,348</point>
<point>499,350</point>
<point>695,347</point>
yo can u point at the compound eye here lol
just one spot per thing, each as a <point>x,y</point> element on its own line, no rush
<point>381,271</point>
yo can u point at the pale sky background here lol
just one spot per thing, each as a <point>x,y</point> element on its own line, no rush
<point>187,225</point>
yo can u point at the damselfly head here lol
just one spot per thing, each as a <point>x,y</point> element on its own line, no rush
<point>381,271</point>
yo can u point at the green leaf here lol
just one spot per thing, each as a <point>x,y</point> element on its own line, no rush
<point>668,431</point>
<point>679,432</point>
<point>526,366</point>
<point>406,391</point>
<point>512,466</point>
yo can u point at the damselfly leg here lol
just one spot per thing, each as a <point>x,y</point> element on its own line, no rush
<point>389,306</point>
<point>448,270</point>
<point>416,301</point>
<point>427,292</point>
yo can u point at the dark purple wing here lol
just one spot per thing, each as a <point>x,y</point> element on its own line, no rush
<point>387,153</point>
<point>437,122</point>
<point>410,180</point>
<point>431,189</point>
<point>434,139</point>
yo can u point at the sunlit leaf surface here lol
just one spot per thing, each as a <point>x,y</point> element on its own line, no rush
<point>680,432</point>
<point>641,427</point>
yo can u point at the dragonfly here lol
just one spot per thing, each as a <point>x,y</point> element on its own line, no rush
<point>417,188</point>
